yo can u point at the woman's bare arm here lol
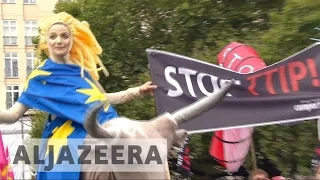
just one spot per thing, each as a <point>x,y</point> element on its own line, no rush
<point>13,114</point>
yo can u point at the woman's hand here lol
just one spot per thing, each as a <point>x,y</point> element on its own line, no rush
<point>147,88</point>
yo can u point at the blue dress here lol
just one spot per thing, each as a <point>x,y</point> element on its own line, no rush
<point>60,90</point>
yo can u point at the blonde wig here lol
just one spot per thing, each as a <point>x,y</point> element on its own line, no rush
<point>85,50</point>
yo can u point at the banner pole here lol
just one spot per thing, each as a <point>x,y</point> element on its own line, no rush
<point>253,155</point>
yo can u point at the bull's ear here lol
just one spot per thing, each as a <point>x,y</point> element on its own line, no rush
<point>179,137</point>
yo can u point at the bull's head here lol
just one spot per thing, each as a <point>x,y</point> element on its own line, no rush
<point>162,126</point>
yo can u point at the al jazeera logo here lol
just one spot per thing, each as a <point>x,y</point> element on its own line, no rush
<point>124,155</point>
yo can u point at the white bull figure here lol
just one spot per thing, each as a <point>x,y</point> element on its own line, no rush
<point>163,126</point>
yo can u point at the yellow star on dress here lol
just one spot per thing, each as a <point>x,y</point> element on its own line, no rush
<point>36,73</point>
<point>60,138</point>
<point>94,94</point>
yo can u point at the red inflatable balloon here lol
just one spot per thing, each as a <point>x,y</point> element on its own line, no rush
<point>230,147</point>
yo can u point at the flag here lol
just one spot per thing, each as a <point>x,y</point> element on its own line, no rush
<point>183,159</point>
<point>60,90</point>
<point>10,174</point>
<point>5,167</point>
<point>291,86</point>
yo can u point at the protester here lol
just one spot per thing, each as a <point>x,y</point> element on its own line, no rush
<point>278,178</point>
<point>65,85</point>
<point>317,172</point>
<point>258,174</point>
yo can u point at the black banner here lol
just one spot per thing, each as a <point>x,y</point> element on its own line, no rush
<point>287,91</point>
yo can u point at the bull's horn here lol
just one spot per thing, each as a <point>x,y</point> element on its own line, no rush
<point>202,105</point>
<point>92,126</point>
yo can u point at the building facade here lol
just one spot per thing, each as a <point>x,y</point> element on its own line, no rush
<point>19,24</point>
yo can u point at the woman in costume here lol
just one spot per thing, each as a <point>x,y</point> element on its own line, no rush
<point>82,50</point>
<point>66,84</point>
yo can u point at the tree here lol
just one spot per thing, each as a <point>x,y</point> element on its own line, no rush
<point>290,29</point>
<point>289,147</point>
<point>38,121</point>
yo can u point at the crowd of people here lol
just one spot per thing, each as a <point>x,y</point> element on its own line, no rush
<point>259,174</point>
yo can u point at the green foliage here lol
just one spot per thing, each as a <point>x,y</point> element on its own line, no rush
<point>290,29</point>
<point>38,121</point>
<point>290,148</point>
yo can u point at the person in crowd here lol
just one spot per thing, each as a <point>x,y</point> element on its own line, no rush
<point>258,174</point>
<point>66,84</point>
